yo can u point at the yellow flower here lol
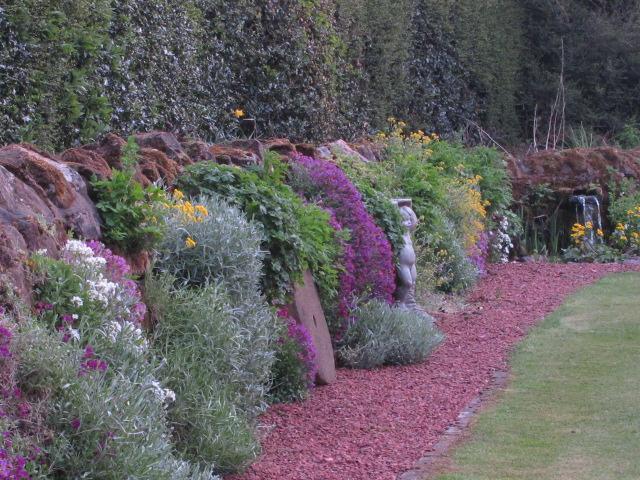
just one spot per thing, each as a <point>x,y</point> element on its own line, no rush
<point>238,113</point>
<point>177,194</point>
<point>202,210</point>
<point>589,225</point>
<point>600,233</point>
<point>190,242</point>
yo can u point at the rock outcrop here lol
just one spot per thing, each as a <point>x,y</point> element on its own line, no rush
<point>575,170</point>
<point>40,199</point>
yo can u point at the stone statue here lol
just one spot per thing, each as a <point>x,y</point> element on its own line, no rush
<point>407,274</point>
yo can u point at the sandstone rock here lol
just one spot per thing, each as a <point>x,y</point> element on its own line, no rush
<point>28,222</point>
<point>340,148</point>
<point>229,155</point>
<point>87,163</point>
<point>197,150</point>
<point>579,169</point>
<point>309,150</point>
<point>154,166</point>
<point>306,309</point>
<point>369,150</point>
<point>109,148</point>
<point>167,143</point>
<point>281,145</point>
<point>61,188</point>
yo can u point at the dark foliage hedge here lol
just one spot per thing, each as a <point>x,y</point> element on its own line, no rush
<point>309,69</point>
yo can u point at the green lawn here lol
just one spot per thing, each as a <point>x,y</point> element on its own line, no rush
<point>572,408</point>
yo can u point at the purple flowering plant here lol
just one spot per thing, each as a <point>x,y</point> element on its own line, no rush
<point>369,270</point>
<point>296,367</point>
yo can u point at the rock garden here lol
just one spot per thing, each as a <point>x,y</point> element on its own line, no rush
<point>313,240</point>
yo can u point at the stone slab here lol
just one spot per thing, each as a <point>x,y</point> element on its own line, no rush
<point>307,310</point>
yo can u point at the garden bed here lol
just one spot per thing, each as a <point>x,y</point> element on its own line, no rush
<point>376,424</point>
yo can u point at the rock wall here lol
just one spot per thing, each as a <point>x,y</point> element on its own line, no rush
<point>44,196</point>
<point>572,171</point>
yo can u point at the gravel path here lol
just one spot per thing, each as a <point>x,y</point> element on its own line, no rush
<point>374,425</point>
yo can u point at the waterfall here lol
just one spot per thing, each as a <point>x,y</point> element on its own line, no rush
<point>588,210</point>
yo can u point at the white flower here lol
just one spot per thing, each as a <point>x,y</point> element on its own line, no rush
<point>77,301</point>
<point>41,252</point>
<point>75,334</point>
<point>162,394</point>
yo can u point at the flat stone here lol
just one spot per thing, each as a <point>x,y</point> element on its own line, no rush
<point>307,310</point>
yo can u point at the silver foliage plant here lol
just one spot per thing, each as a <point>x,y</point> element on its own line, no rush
<point>109,425</point>
<point>385,335</point>
<point>215,331</point>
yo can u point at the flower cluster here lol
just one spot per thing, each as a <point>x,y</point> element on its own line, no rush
<point>5,342</point>
<point>91,362</point>
<point>105,277</point>
<point>396,131</point>
<point>626,235</point>
<point>164,395</point>
<point>479,253</point>
<point>130,333</point>
<point>581,232</point>
<point>189,212</point>
<point>12,467</point>
<point>501,243</point>
<point>370,273</point>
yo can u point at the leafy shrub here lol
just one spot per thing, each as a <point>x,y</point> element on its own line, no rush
<point>130,213</point>
<point>372,263</point>
<point>282,214</point>
<point>218,359</point>
<point>624,196</point>
<point>629,136</point>
<point>224,247</point>
<point>386,335</point>
<point>295,369</point>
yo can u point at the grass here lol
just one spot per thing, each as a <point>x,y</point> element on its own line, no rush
<point>572,409</point>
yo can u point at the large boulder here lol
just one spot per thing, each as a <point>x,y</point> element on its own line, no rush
<point>165,142</point>
<point>572,171</point>
<point>154,164</point>
<point>228,154</point>
<point>60,192</point>
<point>197,150</point>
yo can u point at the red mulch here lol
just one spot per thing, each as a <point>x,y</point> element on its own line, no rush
<point>374,425</point>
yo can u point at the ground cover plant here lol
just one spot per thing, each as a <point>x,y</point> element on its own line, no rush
<point>570,409</point>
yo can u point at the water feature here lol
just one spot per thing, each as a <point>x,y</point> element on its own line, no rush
<point>588,210</point>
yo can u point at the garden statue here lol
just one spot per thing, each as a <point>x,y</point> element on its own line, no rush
<point>407,274</point>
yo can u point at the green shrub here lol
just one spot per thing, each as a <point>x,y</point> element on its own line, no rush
<point>129,212</point>
<point>297,236</point>
<point>218,359</point>
<point>623,197</point>
<point>386,335</point>
<point>629,136</point>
